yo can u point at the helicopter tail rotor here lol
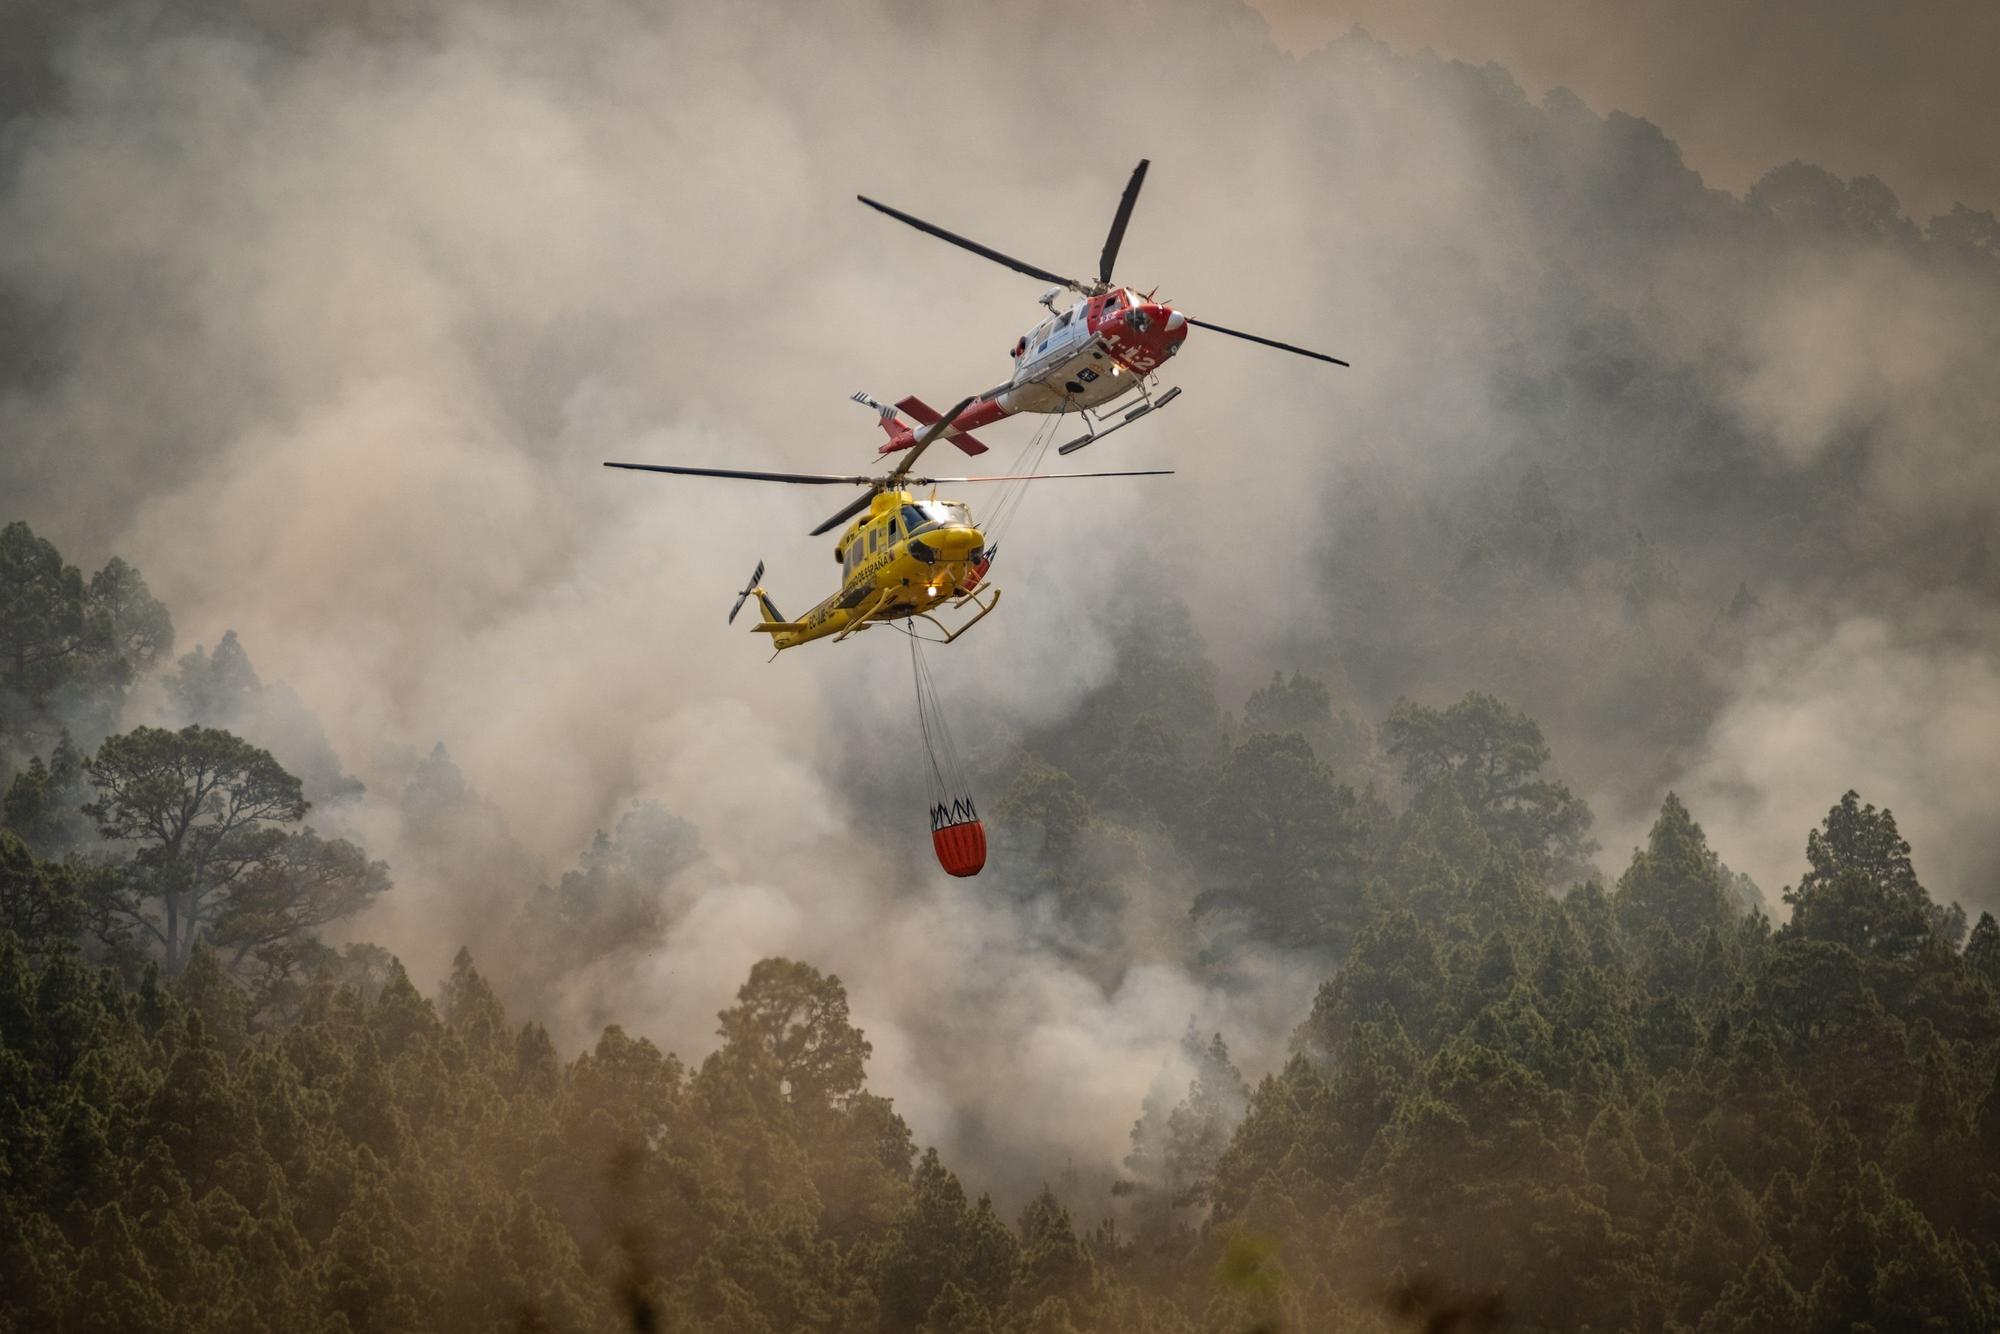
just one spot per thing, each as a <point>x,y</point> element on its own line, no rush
<point>756,577</point>
<point>882,410</point>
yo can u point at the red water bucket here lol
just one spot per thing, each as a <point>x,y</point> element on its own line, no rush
<point>961,848</point>
<point>975,572</point>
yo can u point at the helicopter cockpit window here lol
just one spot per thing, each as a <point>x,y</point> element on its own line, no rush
<point>945,512</point>
<point>913,519</point>
<point>1063,318</point>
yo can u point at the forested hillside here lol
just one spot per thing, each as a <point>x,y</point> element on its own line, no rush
<point>1523,1096</point>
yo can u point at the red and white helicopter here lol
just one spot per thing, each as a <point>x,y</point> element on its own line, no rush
<point>1085,358</point>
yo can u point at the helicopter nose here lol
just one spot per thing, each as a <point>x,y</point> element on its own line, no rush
<point>1159,322</point>
<point>955,543</point>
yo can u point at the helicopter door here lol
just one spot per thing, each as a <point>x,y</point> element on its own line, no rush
<point>1055,336</point>
<point>1041,340</point>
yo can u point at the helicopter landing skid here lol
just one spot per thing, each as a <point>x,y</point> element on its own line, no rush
<point>985,607</point>
<point>1134,415</point>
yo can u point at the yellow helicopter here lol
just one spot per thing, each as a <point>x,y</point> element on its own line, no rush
<point>902,559</point>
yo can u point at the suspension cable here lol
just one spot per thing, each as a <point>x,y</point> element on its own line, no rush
<point>950,801</point>
<point>1028,461</point>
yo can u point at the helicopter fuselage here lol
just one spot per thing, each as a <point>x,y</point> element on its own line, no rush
<point>1099,349</point>
<point>1090,354</point>
<point>900,560</point>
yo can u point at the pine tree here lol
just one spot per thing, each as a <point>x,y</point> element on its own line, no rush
<point>39,903</point>
<point>940,1243</point>
<point>43,805</point>
<point>470,1009</point>
<point>1982,949</point>
<point>1843,1296</point>
<point>1758,1300</point>
<point>1675,883</point>
<point>1862,891</point>
<point>1054,1265</point>
<point>1492,756</point>
<point>202,807</point>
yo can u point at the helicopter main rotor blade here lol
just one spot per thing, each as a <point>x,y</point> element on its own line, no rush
<point>801,478</point>
<point>923,441</point>
<point>1038,476</point>
<point>1019,266</point>
<point>859,504</point>
<point>1267,342</point>
<point>875,484</point>
<point>1124,215</point>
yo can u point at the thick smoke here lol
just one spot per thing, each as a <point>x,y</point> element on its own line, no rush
<point>1895,91</point>
<point>333,322</point>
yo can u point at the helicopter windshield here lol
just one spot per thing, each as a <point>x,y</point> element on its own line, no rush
<point>934,513</point>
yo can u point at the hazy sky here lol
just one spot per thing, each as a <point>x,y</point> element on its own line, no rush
<point>1907,92</point>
